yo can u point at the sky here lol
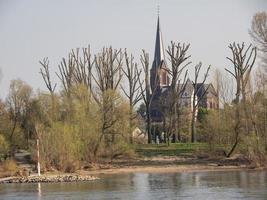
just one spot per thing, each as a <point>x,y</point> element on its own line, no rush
<point>33,29</point>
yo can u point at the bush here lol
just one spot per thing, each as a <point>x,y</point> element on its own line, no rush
<point>255,150</point>
<point>8,168</point>
<point>60,146</point>
<point>119,148</point>
<point>10,165</point>
<point>4,146</point>
<point>71,167</point>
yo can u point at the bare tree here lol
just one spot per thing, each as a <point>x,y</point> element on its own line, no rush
<point>258,30</point>
<point>242,60</point>
<point>178,58</point>
<point>197,98</point>
<point>75,69</point>
<point>132,74</point>
<point>146,93</point>
<point>83,67</point>
<point>50,86</point>
<point>46,76</point>
<point>66,71</point>
<point>108,67</point>
<point>258,33</point>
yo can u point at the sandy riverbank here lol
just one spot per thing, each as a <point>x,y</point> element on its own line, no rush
<point>167,164</point>
<point>165,169</point>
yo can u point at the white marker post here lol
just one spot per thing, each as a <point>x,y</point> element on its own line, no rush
<point>38,159</point>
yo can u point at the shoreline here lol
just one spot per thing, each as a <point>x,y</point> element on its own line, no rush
<point>168,169</point>
<point>49,179</point>
<point>92,175</point>
<point>161,164</point>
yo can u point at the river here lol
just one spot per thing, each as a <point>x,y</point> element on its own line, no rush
<point>141,186</point>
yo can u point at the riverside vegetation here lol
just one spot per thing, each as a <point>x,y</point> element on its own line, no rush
<point>89,115</point>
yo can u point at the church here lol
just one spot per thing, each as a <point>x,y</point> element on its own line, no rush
<point>208,97</point>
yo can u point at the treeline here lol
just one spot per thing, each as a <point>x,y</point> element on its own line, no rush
<point>242,123</point>
<point>92,111</point>
<point>85,120</point>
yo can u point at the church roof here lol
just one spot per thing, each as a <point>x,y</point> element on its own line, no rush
<point>159,56</point>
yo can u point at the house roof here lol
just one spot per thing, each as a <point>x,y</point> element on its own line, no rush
<point>208,88</point>
<point>187,88</point>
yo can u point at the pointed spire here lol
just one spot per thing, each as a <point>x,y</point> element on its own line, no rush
<point>159,49</point>
<point>158,73</point>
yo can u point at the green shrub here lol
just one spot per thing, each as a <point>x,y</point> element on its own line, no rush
<point>4,146</point>
<point>254,149</point>
<point>8,168</point>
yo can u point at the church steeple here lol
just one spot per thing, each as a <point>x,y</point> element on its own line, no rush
<point>159,72</point>
<point>159,48</point>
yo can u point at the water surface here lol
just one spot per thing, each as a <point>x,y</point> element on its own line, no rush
<point>142,186</point>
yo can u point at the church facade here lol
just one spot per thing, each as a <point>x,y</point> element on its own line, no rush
<point>160,85</point>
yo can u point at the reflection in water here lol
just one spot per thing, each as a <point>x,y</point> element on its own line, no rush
<point>39,191</point>
<point>142,186</point>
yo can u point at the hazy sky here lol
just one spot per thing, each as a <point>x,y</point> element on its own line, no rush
<point>33,29</point>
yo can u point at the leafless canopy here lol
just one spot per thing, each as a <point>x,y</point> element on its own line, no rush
<point>108,66</point>
<point>132,74</point>
<point>83,67</point>
<point>46,75</point>
<point>66,68</point>
<point>76,69</point>
<point>243,60</point>
<point>178,58</point>
<point>146,93</point>
<point>258,30</point>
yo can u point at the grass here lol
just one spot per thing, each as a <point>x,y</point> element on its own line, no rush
<point>175,149</point>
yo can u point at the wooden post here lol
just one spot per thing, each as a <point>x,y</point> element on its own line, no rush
<point>38,158</point>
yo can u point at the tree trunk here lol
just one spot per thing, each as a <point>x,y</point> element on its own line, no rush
<point>233,147</point>
<point>149,128</point>
<point>193,124</point>
<point>13,130</point>
<point>237,126</point>
<point>98,144</point>
<point>193,130</point>
<point>178,126</point>
<point>131,124</point>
